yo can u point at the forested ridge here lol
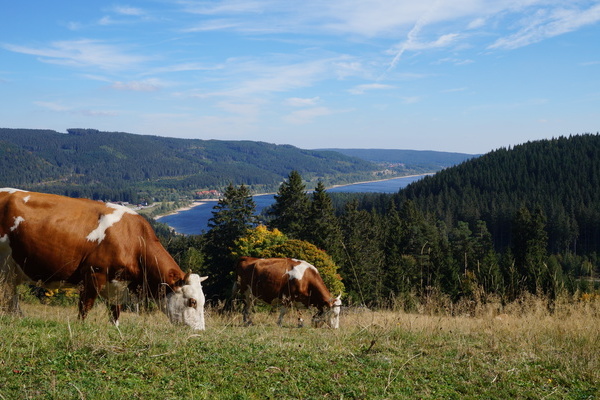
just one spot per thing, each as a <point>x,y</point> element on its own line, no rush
<point>419,160</point>
<point>516,221</point>
<point>561,177</point>
<point>123,166</point>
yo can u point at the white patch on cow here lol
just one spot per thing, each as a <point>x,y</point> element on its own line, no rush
<point>11,190</point>
<point>298,271</point>
<point>4,239</point>
<point>108,220</point>
<point>17,222</point>
<point>186,305</point>
<point>26,198</point>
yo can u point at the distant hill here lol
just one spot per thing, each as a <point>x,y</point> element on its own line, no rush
<point>124,166</point>
<point>421,160</point>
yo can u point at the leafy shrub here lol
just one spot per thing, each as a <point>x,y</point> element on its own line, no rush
<point>257,241</point>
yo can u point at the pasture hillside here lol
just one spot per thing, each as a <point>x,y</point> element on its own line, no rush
<point>527,353</point>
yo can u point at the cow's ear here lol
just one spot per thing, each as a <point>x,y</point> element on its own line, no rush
<point>203,278</point>
<point>187,275</point>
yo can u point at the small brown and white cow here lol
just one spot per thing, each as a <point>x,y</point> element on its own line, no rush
<point>285,281</point>
<point>108,247</point>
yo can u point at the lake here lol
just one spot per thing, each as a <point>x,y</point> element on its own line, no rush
<point>195,220</point>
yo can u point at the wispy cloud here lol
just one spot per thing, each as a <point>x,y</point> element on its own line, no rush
<point>307,115</point>
<point>301,102</point>
<point>61,108</point>
<point>148,85</point>
<point>127,10</point>
<point>83,53</point>
<point>544,24</point>
<point>52,106</point>
<point>361,89</point>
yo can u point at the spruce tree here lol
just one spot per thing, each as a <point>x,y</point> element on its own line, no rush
<point>321,228</point>
<point>233,215</point>
<point>364,261</point>
<point>291,207</point>
<point>530,242</point>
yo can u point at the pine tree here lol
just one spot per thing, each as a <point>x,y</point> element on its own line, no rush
<point>363,263</point>
<point>321,228</point>
<point>530,242</point>
<point>291,207</point>
<point>232,217</point>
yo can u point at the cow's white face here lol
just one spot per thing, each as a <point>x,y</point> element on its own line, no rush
<point>336,308</point>
<point>330,317</point>
<point>185,305</point>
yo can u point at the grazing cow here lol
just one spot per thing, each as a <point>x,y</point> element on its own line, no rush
<point>285,281</point>
<point>108,248</point>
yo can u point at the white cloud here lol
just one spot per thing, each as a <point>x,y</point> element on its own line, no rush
<point>106,20</point>
<point>361,89</point>
<point>96,113</point>
<point>127,10</point>
<point>52,106</point>
<point>248,109</point>
<point>58,107</point>
<point>82,53</point>
<point>301,102</point>
<point>148,85</point>
<point>546,24</point>
<point>307,115</point>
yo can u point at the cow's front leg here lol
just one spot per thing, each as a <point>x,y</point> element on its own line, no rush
<point>93,280</point>
<point>115,311</point>
<point>285,304</point>
<point>248,305</point>
<point>282,311</point>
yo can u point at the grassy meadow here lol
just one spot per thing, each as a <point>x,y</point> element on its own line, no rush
<point>526,353</point>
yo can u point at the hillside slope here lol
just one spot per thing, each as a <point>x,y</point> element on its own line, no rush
<point>560,177</point>
<point>115,165</point>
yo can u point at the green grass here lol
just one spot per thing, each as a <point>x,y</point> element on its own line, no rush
<point>49,354</point>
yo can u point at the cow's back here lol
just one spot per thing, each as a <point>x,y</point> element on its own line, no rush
<point>266,277</point>
<point>51,236</point>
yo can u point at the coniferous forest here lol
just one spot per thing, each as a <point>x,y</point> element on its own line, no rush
<point>516,221</point>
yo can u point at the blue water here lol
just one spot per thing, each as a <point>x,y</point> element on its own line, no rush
<point>195,220</point>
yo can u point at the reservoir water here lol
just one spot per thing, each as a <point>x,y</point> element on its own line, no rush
<point>195,220</point>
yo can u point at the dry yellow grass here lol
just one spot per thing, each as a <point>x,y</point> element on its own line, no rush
<point>521,350</point>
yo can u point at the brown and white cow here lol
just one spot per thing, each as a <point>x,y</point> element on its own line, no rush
<point>107,247</point>
<point>285,281</point>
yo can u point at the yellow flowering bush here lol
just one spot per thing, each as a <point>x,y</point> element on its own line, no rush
<point>257,240</point>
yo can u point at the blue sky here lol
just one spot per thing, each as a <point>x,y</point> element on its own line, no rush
<point>465,76</point>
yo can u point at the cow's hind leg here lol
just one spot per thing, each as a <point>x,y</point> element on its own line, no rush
<point>9,279</point>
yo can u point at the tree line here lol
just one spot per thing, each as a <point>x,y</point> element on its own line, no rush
<point>406,247</point>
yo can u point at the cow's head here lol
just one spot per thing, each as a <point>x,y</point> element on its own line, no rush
<point>185,304</point>
<point>330,316</point>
